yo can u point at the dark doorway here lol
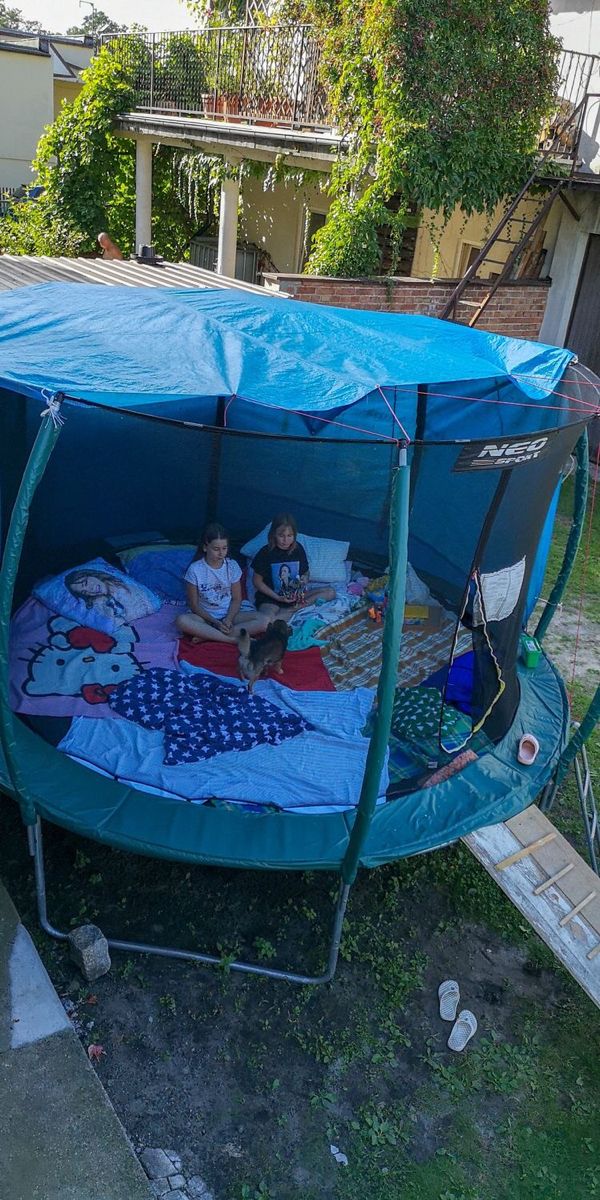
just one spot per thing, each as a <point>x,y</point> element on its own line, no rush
<point>584,327</point>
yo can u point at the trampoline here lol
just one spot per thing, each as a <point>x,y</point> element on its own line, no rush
<point>434,453</point>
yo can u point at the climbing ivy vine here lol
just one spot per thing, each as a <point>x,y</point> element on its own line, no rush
<point>441,102</point>
<point>88,177</point>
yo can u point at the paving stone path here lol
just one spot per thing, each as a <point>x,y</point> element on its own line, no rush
<point>163,1168</point>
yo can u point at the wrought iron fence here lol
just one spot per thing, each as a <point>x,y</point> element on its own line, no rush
<point>269,75</point>
<point>261,75</point>
<point>7,198</point>
<point>578,76</point>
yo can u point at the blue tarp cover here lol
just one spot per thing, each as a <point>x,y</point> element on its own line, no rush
<point>136,347</point>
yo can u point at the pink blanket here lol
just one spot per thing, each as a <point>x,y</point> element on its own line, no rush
<point>61,669</point>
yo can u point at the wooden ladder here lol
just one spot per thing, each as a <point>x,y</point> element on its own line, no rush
<point>551,885</point>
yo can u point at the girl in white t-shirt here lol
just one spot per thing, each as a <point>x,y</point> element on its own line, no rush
<point>214,593</point>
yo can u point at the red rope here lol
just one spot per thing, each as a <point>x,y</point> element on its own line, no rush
<point>582,408</point>
<point>396,418</point>
<point>587,411</point>
<point>586,562</point>
<point>310,416</point>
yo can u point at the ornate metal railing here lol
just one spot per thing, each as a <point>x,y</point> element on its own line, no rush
<point>269,75</point>
<point>260,75</point>
<point>578,78</point>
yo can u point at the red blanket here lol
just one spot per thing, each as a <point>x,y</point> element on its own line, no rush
<point>303,670</point>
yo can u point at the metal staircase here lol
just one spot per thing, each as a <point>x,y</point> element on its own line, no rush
<point>512,249</point>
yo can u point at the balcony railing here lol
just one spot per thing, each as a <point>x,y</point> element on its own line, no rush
<point>270,76</point>
<point>577,88</point>
<point>263,76</point>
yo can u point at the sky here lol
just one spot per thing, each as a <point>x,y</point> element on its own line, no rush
<point>156,15</point>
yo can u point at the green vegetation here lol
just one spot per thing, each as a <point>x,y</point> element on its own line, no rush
<point>88,176</point>
<point>442,104</point>
<point>260,1079</point>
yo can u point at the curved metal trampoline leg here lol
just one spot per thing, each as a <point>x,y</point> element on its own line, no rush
<point>34,838</point>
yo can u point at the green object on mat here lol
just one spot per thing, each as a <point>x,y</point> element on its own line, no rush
<point>530,651</point>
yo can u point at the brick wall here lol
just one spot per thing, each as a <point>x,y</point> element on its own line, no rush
<point>516,309</point>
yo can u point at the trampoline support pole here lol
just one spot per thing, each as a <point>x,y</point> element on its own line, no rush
<point>582,733</point>
<point>34,836</point>
<point>36,465</point>
<point>388,676</point>
<point>574,538</point>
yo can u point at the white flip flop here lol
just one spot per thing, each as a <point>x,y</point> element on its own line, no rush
<point>449,995</point>
<point>462,1031</point>
<point>529,748</point>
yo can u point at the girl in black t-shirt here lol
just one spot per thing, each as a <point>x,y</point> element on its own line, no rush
<point>281,572</point>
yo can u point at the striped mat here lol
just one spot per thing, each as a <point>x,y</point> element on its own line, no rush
<point>353,653</point>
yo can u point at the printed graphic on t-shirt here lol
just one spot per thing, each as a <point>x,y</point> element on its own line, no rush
<point>286,579</point>
<point>214,585</point>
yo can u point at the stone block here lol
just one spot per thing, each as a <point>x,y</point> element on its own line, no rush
<point>160,1188</point>
<point>176,1181</point>
<point>156,1164</point>
<point>88,949</point>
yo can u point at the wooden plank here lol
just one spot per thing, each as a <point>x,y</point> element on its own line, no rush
<point>576,944</point>
<point>578,908</point>
<point>525,851</point>
<point>553,879</point>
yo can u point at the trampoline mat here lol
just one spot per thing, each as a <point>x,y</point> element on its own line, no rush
<point>353,653</point>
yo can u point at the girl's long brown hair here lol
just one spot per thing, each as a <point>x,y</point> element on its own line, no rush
<point>286,519</point>
<point>213,532</point>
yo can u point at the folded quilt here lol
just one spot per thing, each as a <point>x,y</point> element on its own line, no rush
<point>202,716</point>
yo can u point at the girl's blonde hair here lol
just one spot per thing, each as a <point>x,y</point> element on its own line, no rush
<point>285,519</point>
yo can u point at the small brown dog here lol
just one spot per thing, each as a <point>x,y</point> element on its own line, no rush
<point>263,652</point>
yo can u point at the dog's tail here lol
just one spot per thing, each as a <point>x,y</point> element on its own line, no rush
<point>244,641</point>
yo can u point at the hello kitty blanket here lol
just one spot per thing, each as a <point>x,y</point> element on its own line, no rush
<point>61,669</point>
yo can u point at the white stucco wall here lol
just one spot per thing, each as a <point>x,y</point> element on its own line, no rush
<point>577,24</point>
<point>565,260</point>
<point>26,105</point>
<point>274,220</point>
<point>439,248</point>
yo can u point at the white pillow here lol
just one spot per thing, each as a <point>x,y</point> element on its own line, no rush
<point>326,556</point>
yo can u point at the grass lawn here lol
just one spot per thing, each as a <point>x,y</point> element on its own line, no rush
<point>252,1082</point>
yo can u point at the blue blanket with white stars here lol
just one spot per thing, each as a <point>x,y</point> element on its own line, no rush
<point>201,716</point>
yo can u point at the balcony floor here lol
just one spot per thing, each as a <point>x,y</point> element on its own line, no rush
<point>306,149</point>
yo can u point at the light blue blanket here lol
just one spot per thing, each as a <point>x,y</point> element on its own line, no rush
<point>318,771</point>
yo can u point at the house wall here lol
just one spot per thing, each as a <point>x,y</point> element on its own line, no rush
<point>577,24</point>
<point>440,243</point>
<point>26,105</point>
<point>516,309</point>
<point>63,90</point>
<point>275,219</point>
<point>565,262</point>
<point>75,54</point>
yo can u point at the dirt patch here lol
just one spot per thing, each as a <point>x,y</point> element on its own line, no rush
<point>568,630</point>
<point>251,1081</point>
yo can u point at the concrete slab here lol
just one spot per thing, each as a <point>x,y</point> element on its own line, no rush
<point>60,1138</point>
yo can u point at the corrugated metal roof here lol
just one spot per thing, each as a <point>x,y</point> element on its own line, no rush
<point>18,270</point>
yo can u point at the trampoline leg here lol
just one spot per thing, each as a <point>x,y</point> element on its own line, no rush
<point>252,968</point>
<point>34,839</point>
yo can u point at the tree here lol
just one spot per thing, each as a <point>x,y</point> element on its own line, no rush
<point>95,21</point>
<point>441,102</point>
<point>12,18</point>
<point>88,177</point>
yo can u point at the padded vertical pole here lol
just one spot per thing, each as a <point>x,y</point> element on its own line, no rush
<point>36,464</point>
<point>392,637</point>
<point>574,538</point>
<point>582,734</point>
